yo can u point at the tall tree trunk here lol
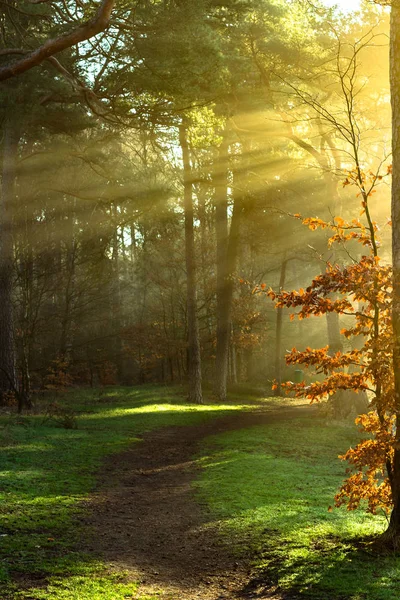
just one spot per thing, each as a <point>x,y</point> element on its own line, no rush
<point>221,231</point>
<point>278,336</point>
<point>194,357</point>
<point>227,252</point>
<point>393,532</point>
<point>226,299</point>
<point>8,379</point>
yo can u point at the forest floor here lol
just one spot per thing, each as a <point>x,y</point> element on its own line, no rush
<point>151,498</point>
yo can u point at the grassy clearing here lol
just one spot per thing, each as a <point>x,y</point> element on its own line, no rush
<point>46,472</point>
<point>270,487</point>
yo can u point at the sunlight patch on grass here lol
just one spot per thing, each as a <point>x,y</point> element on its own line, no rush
<point>270,488</point>
<point>166,408</point>
<point>111,587</point>
<point>47,471</point>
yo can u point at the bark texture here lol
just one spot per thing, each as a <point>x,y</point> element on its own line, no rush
<point>221,231</point>
<point>84,32</point>
<point>227,251</point>
<point>226,299</point>
<point>393,531</point>
<point>7,341</point>
<point>67,325</point>
<point>194,356</point>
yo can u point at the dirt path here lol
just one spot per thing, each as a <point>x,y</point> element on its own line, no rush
<point>147,521</point>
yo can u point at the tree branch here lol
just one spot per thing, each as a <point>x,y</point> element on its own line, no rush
<point>88,30</point>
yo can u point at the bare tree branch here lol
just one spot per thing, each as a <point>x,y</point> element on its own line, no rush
<point>89,29</point>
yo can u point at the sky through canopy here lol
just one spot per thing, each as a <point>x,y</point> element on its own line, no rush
<point>347,5</point>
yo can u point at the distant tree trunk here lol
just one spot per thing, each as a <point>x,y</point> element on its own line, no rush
<point>249,357</point>
<point>133,248</point>
<point>194,356</point>
<point>278,335</point>
<point>358,403</point>
<point>67,333</point>
<point>27,324</point>
<point>334,337</point>
<point>233,361</point>
<point>8,379</point>
<point>202,215</point>
<point>393,532</point>
<point>335,345</point>
<point>116,305</point>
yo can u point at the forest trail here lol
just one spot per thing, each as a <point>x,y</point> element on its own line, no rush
<point>147,521</point>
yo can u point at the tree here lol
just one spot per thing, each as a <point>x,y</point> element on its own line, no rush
<point>362,291</point>
<point>8,380</point>
<point>98,222</point>
<point>194,356</point>
<point>393,532</point>
<point>227,243</point>
<point>84,31</point>
<point>223,304</point>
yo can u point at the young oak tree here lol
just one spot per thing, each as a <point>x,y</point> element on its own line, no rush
<point>361,290</point>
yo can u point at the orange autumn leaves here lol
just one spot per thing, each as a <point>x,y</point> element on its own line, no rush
<point>362,291</point>
<point>371,460</point>
<point>342,231</point>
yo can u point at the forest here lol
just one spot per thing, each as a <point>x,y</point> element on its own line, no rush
<point>199,299</point>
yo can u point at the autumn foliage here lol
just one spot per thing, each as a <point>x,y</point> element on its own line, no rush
<point>361,290</point>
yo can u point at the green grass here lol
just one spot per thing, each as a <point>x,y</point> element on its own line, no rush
<point>46,472</point>
<point>81,587</point>
<point>270,487</point>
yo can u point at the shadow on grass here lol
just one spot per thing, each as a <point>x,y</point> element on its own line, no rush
<point>332,569</point>
<point>271,487</point>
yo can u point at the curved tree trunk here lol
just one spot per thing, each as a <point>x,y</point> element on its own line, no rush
<point>194,356</point>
